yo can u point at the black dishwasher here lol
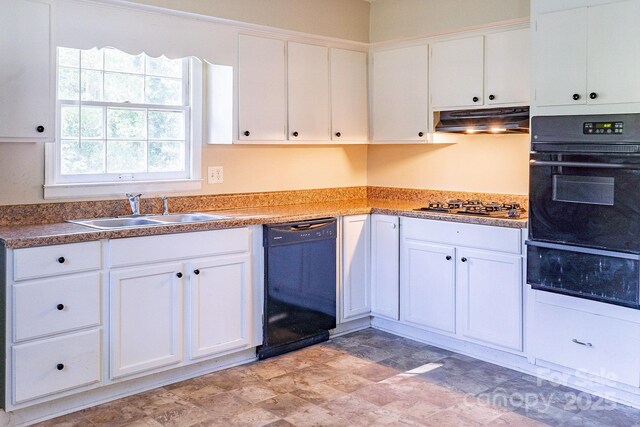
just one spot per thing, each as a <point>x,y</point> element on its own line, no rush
<point>300,285</point>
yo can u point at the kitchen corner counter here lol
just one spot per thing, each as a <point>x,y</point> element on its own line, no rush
<point>60,233</point>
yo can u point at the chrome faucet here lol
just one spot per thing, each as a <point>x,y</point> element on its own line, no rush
<point>165,205</point>
<point>134,201</point>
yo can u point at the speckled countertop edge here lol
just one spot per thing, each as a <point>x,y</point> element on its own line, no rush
<point>15,237</point>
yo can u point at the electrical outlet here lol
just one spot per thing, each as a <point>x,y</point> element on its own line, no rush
<point>214,174</point>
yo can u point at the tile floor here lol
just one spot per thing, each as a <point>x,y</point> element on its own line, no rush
<point>367,378</point>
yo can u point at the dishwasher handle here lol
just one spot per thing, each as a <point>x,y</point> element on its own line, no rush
<point>297,232</point>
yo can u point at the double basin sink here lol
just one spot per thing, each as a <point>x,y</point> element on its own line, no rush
<point>146,220</point>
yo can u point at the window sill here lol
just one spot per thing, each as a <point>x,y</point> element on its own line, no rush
<point>67,191</point>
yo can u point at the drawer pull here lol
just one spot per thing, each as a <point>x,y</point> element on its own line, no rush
<point>196,271</point>
<point>179,275</point>
<point>586,344</point>
<point>59,366</point>
<point>61,260</point>
<point>60,307</point>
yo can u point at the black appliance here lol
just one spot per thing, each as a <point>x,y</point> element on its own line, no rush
<point>584,207</point>
<point>487,120</point>
<point>475,207</point>
<point>300,285</point>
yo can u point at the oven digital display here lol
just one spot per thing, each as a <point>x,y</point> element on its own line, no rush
<point>611,128</point>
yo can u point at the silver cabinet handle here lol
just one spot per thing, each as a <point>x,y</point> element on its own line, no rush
<point>586,344</point>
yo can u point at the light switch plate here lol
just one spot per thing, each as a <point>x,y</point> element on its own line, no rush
<point>214,175</point>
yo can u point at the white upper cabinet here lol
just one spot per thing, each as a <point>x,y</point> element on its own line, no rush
<point>25,67</point>
<point>262,99</point>
<point>457,73</point>
<point>400,94</point>
<point>349,95</point>
<point>588,55</point>
<point>308,83</point>
<point>481,71</point>
<point>507,67</point>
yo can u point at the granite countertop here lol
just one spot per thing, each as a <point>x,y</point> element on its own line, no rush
<point>50,234</point>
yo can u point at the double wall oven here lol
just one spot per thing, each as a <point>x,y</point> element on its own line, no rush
<point>584,207</point>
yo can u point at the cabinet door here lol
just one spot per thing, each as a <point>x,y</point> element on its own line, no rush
<point>25,83</point>
<point>427,285</point>
<point>507,56</point>
<point>261,89</point>
<point>560,58</point>
<point>614,53</point>
<point>400,94</point>
<point>308,82</point>
<point>219,304</point>
<point>348,95</point>
<point>356,298</point>
<point>146,318</point>
<point>490,297</point>
<point>385,266</point>
<point>457,73</point>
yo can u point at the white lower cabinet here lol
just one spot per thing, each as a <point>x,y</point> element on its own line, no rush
<point>385,266</point>
<point>218,296</point>
<point>464,280</point>
<point>356,295</point>
<point>146,318</point>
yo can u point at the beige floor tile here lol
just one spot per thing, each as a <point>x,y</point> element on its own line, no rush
<point>70,420</point>
<point>318,393</point>
<point>316,416</point>
<point>349,406</point>
<point>254,393</point>
<point>347,383</point>
<point>223,404</point>
<point>255,417</point>
<point>113,414</point>
<point>376,372</point>
<point>285,405</point>
<point>348,363</point>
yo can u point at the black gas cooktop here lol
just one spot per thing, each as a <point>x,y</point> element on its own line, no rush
<point>476,207</point>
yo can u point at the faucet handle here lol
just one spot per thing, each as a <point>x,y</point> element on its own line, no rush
<point>165,204</point>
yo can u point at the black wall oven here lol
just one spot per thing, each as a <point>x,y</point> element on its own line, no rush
<point>584,207</point>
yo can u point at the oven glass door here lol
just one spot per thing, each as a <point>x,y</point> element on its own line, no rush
<point>585,200</point>
<point>586,273</point>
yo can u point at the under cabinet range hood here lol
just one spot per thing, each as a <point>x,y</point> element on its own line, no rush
<point>489,120</point>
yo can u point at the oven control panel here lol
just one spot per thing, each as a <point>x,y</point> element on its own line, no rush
<point>612,128</point>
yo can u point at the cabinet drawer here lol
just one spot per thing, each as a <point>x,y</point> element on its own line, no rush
<point>50,306</point>
<point>609,346</point>
<point>36,364</point>
<point>169,247</point>
<point>47,261</point>
<point>459,234</point>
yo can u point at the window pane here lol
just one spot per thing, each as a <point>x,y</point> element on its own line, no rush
<point>68,83</point>
<point>164,67</point>
<point>126,124</point>
<point>92,122</point>
<point>163,91</point>
<point>126,156</point>
<point>82,157</point>
<point>91,85</point>
<point>123,88</point>
<point>166,156</point>
<point>70,122</point>
<point>92,58</point>
<point>166,125</point>
<point>114,60</point>
<point>68,57</point>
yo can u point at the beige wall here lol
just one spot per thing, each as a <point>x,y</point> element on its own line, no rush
<point>482,163</point>
<point>394,19</point>
<point>345,19</point>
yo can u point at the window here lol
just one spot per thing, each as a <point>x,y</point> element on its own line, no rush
<point>123,119</point>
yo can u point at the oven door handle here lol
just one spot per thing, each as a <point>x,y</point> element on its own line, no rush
<point>583,250</point>
<point>583,164</point>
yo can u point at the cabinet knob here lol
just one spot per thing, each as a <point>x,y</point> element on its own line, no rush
<point>593,95</point>
<point>59,366</point>
<point>247,133</point>
<point>338,134</point>
<point>463,259</point>
<point>576,96</point>
<point>492,97</point>
<point>196,271</point>
<point>421,134</point>
<point>40,129</point>
<point>476,99</point>
<point>295,133</point>
<point>448,257</point>
<point>179,275</point>
<point>61,260</point>
<point>60,307</point>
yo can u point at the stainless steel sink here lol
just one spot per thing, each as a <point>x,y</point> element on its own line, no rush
<point>146,221</point>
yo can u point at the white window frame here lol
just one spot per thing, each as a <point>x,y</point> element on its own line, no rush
<point>58,186</point>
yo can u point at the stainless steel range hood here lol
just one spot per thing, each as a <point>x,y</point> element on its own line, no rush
<point>489,120</point>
